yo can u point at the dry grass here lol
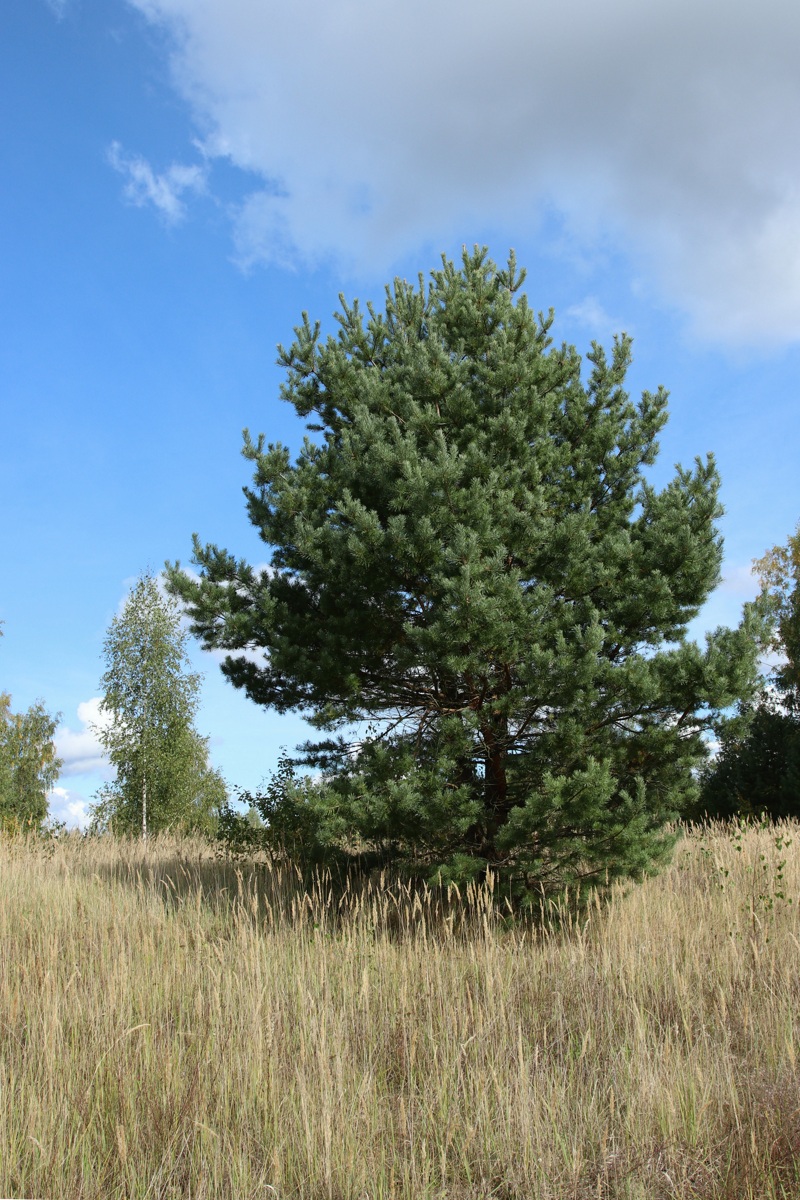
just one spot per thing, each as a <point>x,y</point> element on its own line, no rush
<point>169,1028</point>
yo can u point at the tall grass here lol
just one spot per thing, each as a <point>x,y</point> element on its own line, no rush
<point>171,1026</point>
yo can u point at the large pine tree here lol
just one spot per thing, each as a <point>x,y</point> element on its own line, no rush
<point>468,560</point>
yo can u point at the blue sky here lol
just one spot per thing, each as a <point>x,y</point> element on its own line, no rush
<point>181,178</point>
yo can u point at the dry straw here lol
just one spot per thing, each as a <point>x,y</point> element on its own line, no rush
<point>175,1026</point>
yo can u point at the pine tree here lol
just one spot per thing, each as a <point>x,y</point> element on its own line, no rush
<point>468,559</point>
<point>163,779</point>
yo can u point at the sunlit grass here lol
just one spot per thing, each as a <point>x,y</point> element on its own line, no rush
<point>173,1027</point>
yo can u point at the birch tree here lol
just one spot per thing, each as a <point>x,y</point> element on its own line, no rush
<point>29,765</point>
<point>163,778</point>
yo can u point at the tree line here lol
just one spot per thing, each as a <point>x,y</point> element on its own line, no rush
<point>479,600</point>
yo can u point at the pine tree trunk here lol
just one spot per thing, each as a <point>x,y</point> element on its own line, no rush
<point>495,790</point>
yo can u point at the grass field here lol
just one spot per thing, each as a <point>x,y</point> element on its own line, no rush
<point>173,1027</point>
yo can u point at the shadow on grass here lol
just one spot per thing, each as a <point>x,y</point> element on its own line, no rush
<point>276,893</point>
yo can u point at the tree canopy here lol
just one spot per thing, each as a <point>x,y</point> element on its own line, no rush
<point>757,769</point>
<point>163,779</point>
<point>476,592</point>
<point>779,573</point>
<point>29,765</point>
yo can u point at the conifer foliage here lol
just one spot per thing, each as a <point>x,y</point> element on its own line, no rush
<point>471,570</point>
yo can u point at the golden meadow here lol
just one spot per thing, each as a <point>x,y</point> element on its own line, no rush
<point>172,1025</point>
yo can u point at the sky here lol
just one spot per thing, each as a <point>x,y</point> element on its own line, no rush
<point>181,179</point>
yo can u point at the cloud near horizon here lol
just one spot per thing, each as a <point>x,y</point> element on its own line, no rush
<point>79,750</point>
<point>70,807</point>
<point>668,130</point>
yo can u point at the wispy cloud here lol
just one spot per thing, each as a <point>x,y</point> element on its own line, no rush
<point>725,604</point>
<point>80,750</point>
<point>164,191</point>
<point>739,580</point>
<point>590,315</point>
<point>663,128</point>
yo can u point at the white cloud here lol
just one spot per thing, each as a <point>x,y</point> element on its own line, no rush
<point>70,807</point>
<point>591,315</point>
<point>724,605</point>
<point>80,750</point>
<point>739,580</point>
<point>144,186</point>
<point>370,128</point>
